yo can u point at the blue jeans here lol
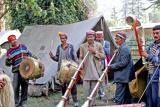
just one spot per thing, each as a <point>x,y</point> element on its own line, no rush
<point>152,92</point>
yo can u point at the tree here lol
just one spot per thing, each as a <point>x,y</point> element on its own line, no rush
<point>134,7</point>
<point>91,7</point>
<point>114,16</point>
<point>154,3</point>
<point>33,12</point>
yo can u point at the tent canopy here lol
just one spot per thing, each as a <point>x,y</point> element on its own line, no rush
<point>4,35</point>
<point>41,39</point>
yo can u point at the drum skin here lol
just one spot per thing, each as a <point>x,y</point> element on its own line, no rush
<point>67,70</point>
<point>31,68</point>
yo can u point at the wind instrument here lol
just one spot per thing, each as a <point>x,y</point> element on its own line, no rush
<point>62,103</point>
<point>135,23</point>
<point>87,102</point>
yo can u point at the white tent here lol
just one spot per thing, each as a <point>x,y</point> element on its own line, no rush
<point>4,35</point>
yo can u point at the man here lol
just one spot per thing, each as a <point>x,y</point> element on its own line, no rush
<point>152,56</point>
<point>105,44</point>
<point>65,51</point>
<point>122,67</point>
<point>92,64</point>
<point>6,91</point>
<point>106,47</point>
<point>2,84</point>
<point>15,55</point>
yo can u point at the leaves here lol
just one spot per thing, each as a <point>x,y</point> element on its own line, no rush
<point>33,12</point>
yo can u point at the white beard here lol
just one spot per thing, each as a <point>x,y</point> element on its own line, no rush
<point>6,93</point>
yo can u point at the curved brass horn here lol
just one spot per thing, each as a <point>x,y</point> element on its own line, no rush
<point>62,102</point>
<point>132,20</point>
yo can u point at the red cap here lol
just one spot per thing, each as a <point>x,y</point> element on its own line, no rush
<point>11,38</point>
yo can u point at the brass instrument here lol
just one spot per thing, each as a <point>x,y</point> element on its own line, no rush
<point>87,102</point>
<point>137,86</point>
<point>62,103</point>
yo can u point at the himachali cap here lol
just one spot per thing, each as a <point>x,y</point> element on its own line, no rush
<point>91,32</point>
<point>122,35</point>
<point>11,38</point>
<point>157,27</point>
<point>99,32</point>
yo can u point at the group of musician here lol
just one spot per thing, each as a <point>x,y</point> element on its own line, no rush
<point>96,61</point>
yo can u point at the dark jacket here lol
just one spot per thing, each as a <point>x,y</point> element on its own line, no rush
<point>123,65</point>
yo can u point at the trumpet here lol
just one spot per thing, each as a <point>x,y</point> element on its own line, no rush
<point>62,103</point>
<point>136,25</point>
<point>133,21</point>
<point>87,102</point>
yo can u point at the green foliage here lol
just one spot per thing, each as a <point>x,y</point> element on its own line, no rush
<point>155,3</point>
<point>33,12</point>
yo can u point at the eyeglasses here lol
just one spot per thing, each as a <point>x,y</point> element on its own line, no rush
<point>156,33</point>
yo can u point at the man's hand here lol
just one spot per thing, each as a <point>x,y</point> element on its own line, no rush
<point>91,49</point>
<point>144,54</point>
<point>109,68</point>
<point>2,84</point>
<point>51,54</point>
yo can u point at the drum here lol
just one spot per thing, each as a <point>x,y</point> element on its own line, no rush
<point>31,68</point>
<point>67,70</point>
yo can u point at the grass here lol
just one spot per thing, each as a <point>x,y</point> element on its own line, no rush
<point>53,99</point>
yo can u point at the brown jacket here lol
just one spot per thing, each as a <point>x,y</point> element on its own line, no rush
<point>92,64</point>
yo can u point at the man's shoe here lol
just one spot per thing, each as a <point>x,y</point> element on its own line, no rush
<point>16,105</point>
<point>24,105</point>
<point>76,104</point>
<point>101,96</point>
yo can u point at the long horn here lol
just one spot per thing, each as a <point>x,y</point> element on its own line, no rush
<point>87,102</point>
<point>135,23</point>
<point>62,103</point>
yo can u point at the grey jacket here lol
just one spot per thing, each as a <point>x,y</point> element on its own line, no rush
<point>123,65</point>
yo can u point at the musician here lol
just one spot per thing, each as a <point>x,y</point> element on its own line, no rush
<point>15,56</point>
<point>6,91</point>
<point>122,67</point>
<point>152,55</point>
<point>2,84</point>
<point>92,64</point>
<point>106,47</point>
<point>65,51</point>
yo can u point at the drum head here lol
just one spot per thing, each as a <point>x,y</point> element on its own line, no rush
<point>27,67</point>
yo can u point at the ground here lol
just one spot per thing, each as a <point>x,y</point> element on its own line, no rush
<point>54,97</point>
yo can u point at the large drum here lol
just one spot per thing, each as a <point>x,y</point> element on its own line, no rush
<point>31,68</point>
<point>67,70</point>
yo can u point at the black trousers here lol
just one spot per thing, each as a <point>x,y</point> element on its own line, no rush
<point>122,95</point>
<point>18,82</point>
<point>73,91</point>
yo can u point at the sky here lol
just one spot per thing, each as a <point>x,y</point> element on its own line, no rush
<point>105,7</point>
